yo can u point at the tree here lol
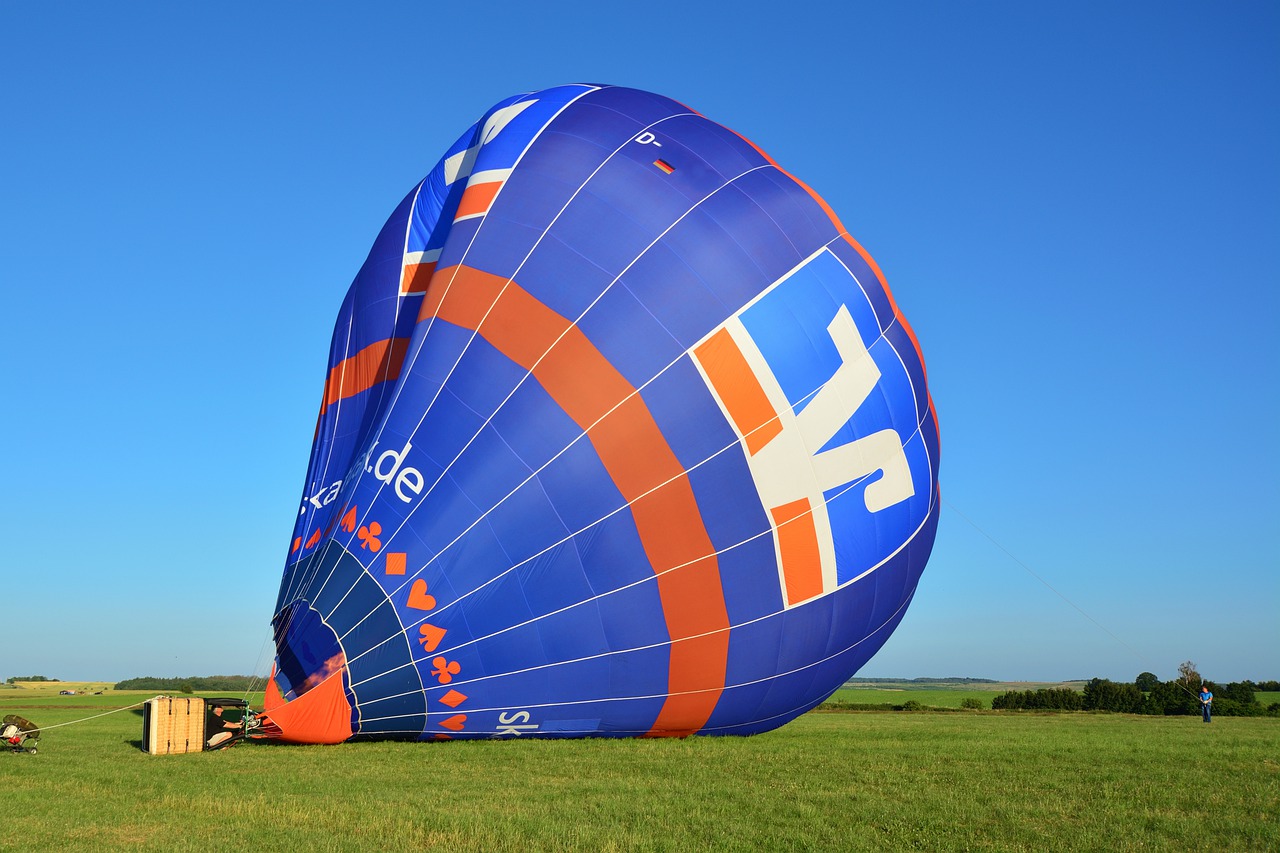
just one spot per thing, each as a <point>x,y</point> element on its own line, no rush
<point>1102,694</point>
<point>1171,698</point>
<point>1237,691</point>
<point>1044,699</point>
<point>1146,681</point>
<point>1188,675</point>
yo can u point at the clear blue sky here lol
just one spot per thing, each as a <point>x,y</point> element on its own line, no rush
<point>1076,205</point>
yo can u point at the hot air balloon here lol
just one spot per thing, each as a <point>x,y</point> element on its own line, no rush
<point>622,434</point>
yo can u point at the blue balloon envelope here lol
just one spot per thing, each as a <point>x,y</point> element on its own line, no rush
<point>622,434</point>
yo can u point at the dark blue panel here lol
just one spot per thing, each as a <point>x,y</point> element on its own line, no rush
<point>643,108</point>
<point>579,487</point>
<point>572,634</point>
<point>496,606</point>
<point>485,379</point>
<point>471,563</point>
<point>795,213</point>
<point>488,469</point>
<point>671,289</point>
<point>530,404</point>
<point>867,279</point>
<point>726,269</point>
<point>526,523</point>
<point>515,648</point>
<point>690,419</point>
<point>612,554</point>
<point>630,337</point>
<point>556,580</point>
<point>509,236</point>
<point>601,230</point>
<point>632,619</point>
<point>748,568</point>
<point>564,278</point>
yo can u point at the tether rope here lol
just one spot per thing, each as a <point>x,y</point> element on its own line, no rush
<point>43,729</point>
<point>1056,592</point>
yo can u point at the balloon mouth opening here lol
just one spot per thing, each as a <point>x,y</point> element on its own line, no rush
<point>307,650</point>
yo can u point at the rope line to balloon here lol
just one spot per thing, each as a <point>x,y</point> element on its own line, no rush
<point>1056,592</point>
<point>255,678</point>
<point>94,717</point>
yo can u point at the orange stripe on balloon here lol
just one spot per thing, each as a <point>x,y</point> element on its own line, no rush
<point>739,390</point>
<point>638,459</point>
<point>798,548</point>
<point>378,362</point>
<point>477,198</point>
<point>416,277</point>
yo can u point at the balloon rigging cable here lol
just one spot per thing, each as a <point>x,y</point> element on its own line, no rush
<point>1054,590</point>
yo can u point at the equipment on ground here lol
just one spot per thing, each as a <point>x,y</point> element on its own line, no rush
<point>172,726</point>
<point>19,734</point>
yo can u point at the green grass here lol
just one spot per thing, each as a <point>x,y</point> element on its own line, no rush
<point>1267,697</point>
<point>828,781</point>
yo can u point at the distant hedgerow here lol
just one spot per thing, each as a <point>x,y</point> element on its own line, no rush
<point>1045,699</point>
<point>207,684</point>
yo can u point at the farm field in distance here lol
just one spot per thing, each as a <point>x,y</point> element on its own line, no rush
<point>935,694</point>
<point>828,781</point>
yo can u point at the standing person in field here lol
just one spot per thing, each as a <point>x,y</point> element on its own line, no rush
<point>1206,702</point>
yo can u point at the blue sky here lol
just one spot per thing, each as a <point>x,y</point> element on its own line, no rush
<point>1077,207</point>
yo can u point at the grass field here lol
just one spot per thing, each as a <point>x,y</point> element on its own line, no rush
<point>828,781</point>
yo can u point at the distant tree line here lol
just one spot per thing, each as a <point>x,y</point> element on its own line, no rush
<point>206,684</point>
<point>1147,694</point>
<point>14,679</point>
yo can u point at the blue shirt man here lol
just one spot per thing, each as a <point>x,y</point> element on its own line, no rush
<point>1206,702</point>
